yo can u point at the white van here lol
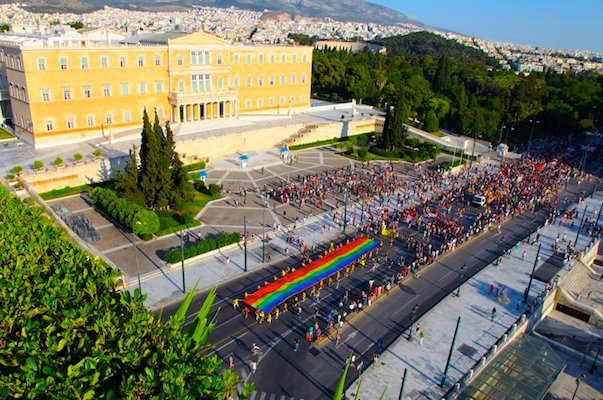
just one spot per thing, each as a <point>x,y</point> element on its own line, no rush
<point>479,200</point>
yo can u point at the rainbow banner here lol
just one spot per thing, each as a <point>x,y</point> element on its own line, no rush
<point>275,293</point>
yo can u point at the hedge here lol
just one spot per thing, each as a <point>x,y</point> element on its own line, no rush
<point>195,166</point>
<point>178,228</point>
<point>128,214</point>
<point>203,246</point>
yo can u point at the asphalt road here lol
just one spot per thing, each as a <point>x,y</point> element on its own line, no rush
<point>313,372</point>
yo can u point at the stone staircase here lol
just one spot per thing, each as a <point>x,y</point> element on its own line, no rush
<point>303,132</point>
<point>581,289</point>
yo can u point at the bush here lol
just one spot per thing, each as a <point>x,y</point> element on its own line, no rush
<point>195,166</point>
<point>362,153</point>
<point>58,161</point>
<point>200,186</point>
<point>349,150</point>
<point>38,165</point>
<point>176,228</point>
<point>77,157</point>
<point>214,189</point>
<point>133,216</point>
<point>17,169</point>
<point>384,153</point>
<point>97,153</point>
<point>29,201</point>
<point>10,177</point>
<point>203,246</point>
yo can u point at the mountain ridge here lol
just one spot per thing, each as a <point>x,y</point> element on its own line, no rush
<point>342,10</point>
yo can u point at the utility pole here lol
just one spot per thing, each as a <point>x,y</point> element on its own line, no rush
<point>345,209</point>
<point>414,311</point>
<point>182,259</point>
<point>581,223</point>
<point>534,122</point>
<point>456,331</point>
<point>402,386</point>
<point>264,230</point>
<point>578,381</point>
<point>245,243</point>
<point>362,212</point>
<point>527,293</point>
<point>137,268</point>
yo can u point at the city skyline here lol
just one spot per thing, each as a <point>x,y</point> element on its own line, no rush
<point>538,23</point>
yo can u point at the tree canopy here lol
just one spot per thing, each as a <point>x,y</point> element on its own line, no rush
<point>465,89</point>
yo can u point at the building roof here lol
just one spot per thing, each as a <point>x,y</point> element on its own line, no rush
<point>525,369</point>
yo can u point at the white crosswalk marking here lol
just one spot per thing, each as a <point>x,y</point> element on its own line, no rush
<point>263,396</point>
<point>272,396</point>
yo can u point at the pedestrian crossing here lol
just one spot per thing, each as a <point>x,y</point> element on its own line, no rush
<point>267,396</point>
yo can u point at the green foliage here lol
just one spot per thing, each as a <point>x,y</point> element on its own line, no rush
<point>431,122</point>
<point>10,177</point>
<point>214,189</point>
<point>76,24</point>
<point>78,157</point>
<point>362,153</point>
<point>316,144</point>
<point>338,395</point>
<point>203,246</point>
<point>69,190</point>
<point>17,169</point>
<point>38,165</point>
<point>133,216</point>
<point>126,182</point>
<point>303,39</point>
<point>97,153</point>
<point>67,333</point>
<point>58,161</point>
<point>4,28</point>
<point>29,201</point>
<point>195,166</point>
<point>177,228</point>
<point>55,22</point>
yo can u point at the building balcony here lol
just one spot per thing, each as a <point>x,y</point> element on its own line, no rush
<point>4,95</point>
<point>183,98</point>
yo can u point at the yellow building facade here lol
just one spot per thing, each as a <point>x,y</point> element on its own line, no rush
<point>69,94</point>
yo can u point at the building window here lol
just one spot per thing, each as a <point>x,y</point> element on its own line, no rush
<point>67,93</point>
<point>219,60</point>
<point>23,94</point>
<point>193,57</point>
<point>49,125</point>
<point>294,58</point>
<point>236,58</point>
<point>109,118</point>
<point>207,82</point>
<point>157,60</point>
<point>207,58</point>
<point>160,112</point>
<point>282,100</point>
<point>248,81</point>
<point>302,99</point>
<point>70,123</point>
<point>220,83</point>
<point>248,58</point>
<point>84,62</point>
<point>271,101</point>
<point>260,80</point>
<point>236,81</point>
<point>292,100</point>
<point>283,58</point>
<point>63,62</point>
<point>293,79</point>
<point>159,86</point>
<point>127,116</point>
<point>141,61</point>
<point>45,95</point>
<point>303,78</point>
<point>104,62</point>
<point>283,79</point>
<point>122,62</point>
<point>180,85</point>
<point>272,58</point>
<point>106,90</point>
<point>90,120</point>
<point>180,60</point>
<point>142,88</point>
<point>304,58</point>
<point>248,104</point>
<point>41,64</point>
<point>271,81</point>
<point>124,89</point>
<point>261,59</point>
<point>87,92</point>
<point>260,103</point>
<point>194,85</point>
<point>19,65</point>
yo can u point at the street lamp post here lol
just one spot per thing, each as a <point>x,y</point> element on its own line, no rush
<point>182,259</point>
<point>414,311</point>
<point>462,275</point>
<point>581,223</point>
<point>456,331</point>
<point>345,208</point>
<point>534,122</point>
<point>137,267</point>
<point>264,231</point>
<point>527,293</point>
<point>245,243</point>
<point>402,386</point>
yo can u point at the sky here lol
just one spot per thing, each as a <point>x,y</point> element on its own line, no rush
<point>559,24</point>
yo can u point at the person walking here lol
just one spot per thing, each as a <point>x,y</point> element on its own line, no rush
<point>337,339</point>
<point>493,314</point>
<point>491,289</point>
<point>230,361</point>
<point>253,366</point>
<point>296,344</point>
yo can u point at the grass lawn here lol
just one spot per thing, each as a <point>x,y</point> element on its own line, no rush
<point>70,191</point>
<point>171,221</point>
<point>436,134</point>
<point>373,157</point>
<point>317,144</point>
<point>4,134</point>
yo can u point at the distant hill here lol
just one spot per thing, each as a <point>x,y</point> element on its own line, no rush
<point>341,10</point>
<point>427,43</point>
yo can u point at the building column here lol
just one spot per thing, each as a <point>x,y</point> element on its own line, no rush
<point>230,108</point>
<point>181,115</point>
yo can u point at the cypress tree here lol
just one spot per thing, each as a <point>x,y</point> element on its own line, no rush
<point>127,181</point>
<point>178,176</point>
<point>150,152</point>
<point>386,141</point>
<point>164,184</point>
<point>398,125</point>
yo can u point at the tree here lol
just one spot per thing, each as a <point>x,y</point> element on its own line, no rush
<point>179,178</point>
<point>431,122</point>
<point>126,182</point>
<point>442,76</point>
<point>150,156</point>
<point>84,339</point>
<point>76,24</point>
<point>398,126</point>
<point>164,175</point>
<point>4,28</point>
<point>386,139</point>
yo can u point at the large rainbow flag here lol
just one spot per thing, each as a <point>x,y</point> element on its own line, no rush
<point>275,293</point>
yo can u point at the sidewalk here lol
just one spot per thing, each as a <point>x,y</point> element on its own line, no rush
<point>477,333</point>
